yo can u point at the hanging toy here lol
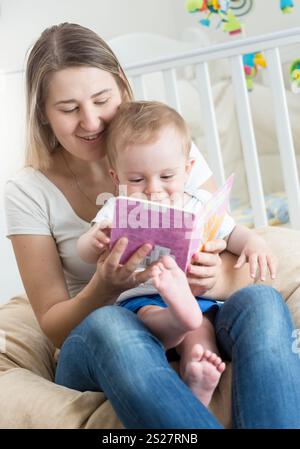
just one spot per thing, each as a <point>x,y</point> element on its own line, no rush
<point>286,6</point>
<point>220,8</point>
<point>231,23</point>
<point>295,76</point>
<point>252,61</point>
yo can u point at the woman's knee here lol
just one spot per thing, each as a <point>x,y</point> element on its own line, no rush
<point>252,307</point>
<point>258,299</point>
<point>113,326</point>
<point>253,316</point>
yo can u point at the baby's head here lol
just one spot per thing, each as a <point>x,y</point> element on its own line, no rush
<point>148,146</point>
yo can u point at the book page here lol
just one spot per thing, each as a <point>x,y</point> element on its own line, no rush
<point>212,214</point>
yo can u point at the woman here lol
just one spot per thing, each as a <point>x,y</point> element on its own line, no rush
<point>74,87</point>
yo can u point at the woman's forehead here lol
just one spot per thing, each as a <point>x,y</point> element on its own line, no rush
<point>78,81</point>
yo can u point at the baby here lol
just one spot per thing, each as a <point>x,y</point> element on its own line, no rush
<point>148,145</point>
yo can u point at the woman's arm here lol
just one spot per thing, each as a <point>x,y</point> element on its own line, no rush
<point>229,280</point>
<point>43,278</point>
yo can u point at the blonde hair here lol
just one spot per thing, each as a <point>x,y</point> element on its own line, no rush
<point>141,122</point>
<point>60,47</point>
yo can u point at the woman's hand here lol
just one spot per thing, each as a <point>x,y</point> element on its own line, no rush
<point>114,278</point>
<point>205,267</point>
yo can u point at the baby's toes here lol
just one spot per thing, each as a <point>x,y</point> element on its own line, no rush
<point>168,262</point>
<point>155,271</point>
<point>197,353</point>
<point>161,267</point>
<point>212,358</point>
<point>221,367</point>
<point>208,355</point>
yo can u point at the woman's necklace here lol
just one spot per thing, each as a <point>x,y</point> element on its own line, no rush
<point>77,182</point>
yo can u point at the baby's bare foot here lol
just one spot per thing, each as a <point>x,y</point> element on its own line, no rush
<point>172,284</point>
<point>202,373</point>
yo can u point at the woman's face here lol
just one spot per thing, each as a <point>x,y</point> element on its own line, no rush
<point>81,102</point>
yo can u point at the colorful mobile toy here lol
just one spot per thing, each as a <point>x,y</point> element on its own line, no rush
<point>286,6</point>
<point>252,61</point>
<point>230,24</point>
<point>295,76</point>
<point>219,8</point>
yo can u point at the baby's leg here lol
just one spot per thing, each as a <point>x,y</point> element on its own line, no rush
<point>200,364</point>
<point>161,323</point>
<point>182,315</point>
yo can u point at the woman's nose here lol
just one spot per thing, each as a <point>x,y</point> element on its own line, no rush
<point>90,121</point>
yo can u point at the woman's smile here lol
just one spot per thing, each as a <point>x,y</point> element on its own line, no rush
<point>92,139</point>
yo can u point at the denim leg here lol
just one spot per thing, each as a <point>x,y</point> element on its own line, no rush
<point>111,350</point>
<point>254,330</point>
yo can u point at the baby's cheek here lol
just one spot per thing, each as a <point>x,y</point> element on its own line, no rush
<point>131,190</point>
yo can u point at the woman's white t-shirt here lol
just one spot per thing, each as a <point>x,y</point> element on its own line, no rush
<point>34,205</point>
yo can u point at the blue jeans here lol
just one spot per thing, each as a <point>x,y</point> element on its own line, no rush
<point>111,350</point>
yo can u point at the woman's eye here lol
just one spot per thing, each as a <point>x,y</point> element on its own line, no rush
<point>70,110</point>
<point>102,101</point>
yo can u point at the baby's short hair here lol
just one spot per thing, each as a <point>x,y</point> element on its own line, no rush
<point>141,122</point>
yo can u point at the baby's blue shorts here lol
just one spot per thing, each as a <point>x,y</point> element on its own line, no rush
<point>134,304</point>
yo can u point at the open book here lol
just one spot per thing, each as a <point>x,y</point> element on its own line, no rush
<point>172,231</point>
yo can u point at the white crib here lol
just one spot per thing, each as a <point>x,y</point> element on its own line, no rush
<point>179,57</point>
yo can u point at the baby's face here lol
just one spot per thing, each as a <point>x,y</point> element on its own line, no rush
<point>156,171</point>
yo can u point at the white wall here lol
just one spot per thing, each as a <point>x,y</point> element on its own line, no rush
<point>22,21</point>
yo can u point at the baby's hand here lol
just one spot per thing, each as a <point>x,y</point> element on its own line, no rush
<point>94,242</point>
<point>99,236</point>
<point>260,257</point>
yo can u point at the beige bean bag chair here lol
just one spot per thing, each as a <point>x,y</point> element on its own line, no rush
<point>30,399</point>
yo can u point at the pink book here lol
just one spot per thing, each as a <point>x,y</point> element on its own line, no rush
<point>172,231</point>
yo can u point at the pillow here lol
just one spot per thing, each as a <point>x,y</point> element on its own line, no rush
<point>32,402</point>
<point>25,345</point>
<point>27,366</point>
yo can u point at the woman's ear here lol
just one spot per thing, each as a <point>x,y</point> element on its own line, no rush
<point>44,119</point>
<point>42,115</point>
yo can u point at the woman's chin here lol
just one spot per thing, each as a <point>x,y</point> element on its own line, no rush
<point>97,154</point>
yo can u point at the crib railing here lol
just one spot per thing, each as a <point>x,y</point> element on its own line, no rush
<point>269,44</point>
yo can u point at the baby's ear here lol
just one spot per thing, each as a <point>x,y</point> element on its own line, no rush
<point>114,176</point>
<point>189,165</point>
